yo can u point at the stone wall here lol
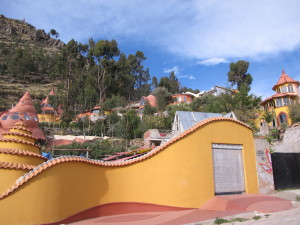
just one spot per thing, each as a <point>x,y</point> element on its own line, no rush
<point>290,142</point>
<point>264,166</point>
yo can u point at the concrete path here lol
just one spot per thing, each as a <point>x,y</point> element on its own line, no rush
<point>220,206</point>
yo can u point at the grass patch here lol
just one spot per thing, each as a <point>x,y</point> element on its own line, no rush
<point>256,217</point>
<point>221,221</point>
<point>288,189</point>
<point>298,198</point>
<point>239,219</point>
<point>267,215</point>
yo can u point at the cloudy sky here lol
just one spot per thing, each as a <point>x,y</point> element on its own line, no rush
<point>197,39</point>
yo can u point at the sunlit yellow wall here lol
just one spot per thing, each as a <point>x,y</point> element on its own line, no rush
<point>8,178</point>
<point>47,118</point>
<point>181,175</point>
<point>20,137</point>
<point>23,159</point>
<point>22,146</point>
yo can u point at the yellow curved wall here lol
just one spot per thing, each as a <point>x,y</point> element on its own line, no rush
<point>8,178</point>
<point>21,131</point>
<point>20,137</point>
<point>22,146</point>
<point>180,175</point>
<point>23,159</point>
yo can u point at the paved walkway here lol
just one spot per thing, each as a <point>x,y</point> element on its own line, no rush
<point>220,206</point>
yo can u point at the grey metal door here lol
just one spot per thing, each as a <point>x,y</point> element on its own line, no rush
<point>228,169</point>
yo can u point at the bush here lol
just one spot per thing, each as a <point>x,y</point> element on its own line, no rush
<point>294,113</point>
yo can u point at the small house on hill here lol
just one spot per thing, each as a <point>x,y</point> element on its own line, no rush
<point>184,120</point>
<point>150,99</point>
<point>181,98</point>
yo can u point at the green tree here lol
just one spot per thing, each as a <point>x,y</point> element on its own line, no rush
<point>268,116</point>
<point>163,97</point>
<point>129,126</point>
<point>149,110</point>
<point>54,33</point>
<point>238,75</point>
<point>104,51</point>
<point>113,102</point>
<point>154,83</point>
<point>140,74</point>
<point>294,113</point>
<point>170,83</point>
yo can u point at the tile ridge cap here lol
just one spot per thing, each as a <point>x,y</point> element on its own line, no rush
<point>15,151</point>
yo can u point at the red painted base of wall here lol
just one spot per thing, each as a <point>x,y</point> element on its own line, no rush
<point>116,209</point>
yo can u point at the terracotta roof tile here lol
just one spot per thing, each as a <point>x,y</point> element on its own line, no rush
<point>17,141</point>
<point>20,152</point>
<point>18,134</point>
<point>278,95</point>
<point>20,124</point>
<point>149,154</point>
<point>18,166</point>
<point>20,128</point>
<point>284,78</point>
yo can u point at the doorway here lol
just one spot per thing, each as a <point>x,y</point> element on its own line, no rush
<point>228,169</point>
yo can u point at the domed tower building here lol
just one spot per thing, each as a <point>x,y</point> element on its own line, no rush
<point>18,154</point>
<point>49,114</point>
<point>23,111</point>
<point>287,93</point>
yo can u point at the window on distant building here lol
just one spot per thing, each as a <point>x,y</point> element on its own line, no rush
<point>282,118</point>
<point>286,101</point>
<point>278,102</point>
<point>290,88</point>
<point>278,90</point>
<point>284,89</point>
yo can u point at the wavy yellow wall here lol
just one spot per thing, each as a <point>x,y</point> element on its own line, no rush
<point>29,160</point>
<point>180,175</point>
<point>8,178</point>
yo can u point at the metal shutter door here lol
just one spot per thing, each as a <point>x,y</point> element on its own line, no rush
<point>228,169</point>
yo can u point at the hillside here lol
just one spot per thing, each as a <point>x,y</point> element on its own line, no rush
<point>25,56</point>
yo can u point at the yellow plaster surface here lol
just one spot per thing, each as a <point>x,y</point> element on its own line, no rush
<point>179,175</point>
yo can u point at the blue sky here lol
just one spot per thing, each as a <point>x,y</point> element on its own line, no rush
<point>196,39</point>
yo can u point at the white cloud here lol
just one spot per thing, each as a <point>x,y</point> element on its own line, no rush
<point>176,70</point>
<point>197,28</point>
<point>212,61</point>
<point>190,77</point>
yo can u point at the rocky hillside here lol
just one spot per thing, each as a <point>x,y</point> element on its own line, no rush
<point>19,33</point>
<point>26,54</point>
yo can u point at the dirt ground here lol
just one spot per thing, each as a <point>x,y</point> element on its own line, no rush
<point>290,217</point>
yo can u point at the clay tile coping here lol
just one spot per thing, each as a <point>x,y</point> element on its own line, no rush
<point>18,141</point>
<point>18,166</point>
<point>20,123</point>
<point>40,168</point>
<point>18,134</point>
<point>14,151</point>
<point>21,128</point>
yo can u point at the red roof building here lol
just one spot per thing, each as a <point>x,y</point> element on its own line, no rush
<point>23,111</point>
<point>287,93</point>
<point>150,99</point>
<point>181,98</point>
